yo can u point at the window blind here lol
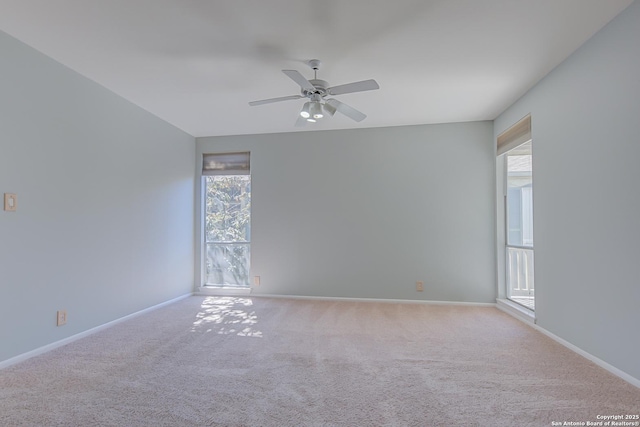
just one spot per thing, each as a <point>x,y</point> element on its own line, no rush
<point>225,164</point>
<point>516,135</point>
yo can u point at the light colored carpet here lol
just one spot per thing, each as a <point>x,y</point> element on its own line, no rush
<point>225,361</point>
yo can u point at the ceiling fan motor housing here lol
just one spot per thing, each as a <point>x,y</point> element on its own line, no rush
<point>320,88</point>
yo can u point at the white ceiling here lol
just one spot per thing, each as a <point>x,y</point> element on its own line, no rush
<point>197,63</point>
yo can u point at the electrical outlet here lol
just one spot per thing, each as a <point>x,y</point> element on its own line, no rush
<point>256,280</point>
<point>62,317</point>
<point>420,286</point>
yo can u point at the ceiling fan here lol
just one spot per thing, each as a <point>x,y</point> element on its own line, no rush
<point>318,91</point>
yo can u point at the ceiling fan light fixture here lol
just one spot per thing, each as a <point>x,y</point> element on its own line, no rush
<point>329,109</point>
<point>305,113</point>
<point>316,110</point>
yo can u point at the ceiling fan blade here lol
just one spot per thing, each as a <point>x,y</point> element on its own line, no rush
<point>348,111</point>
<point>270,100</point>
<point>353,87</point>
<point>299,78</point>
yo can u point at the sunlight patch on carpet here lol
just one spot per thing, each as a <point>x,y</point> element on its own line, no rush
<point>227,316</point>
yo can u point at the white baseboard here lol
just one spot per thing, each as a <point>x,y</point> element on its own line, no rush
<point>531,321</point>
<point>515,310</point>
<point>68,340</point>
<point>396,301</point>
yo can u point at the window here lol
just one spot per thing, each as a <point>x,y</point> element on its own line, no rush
<point>515,146</point>
<point>520,196</point>
<point>227,218</point>
<point>519,202</point>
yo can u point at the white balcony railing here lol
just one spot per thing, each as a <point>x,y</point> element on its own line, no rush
<point>519,272</point>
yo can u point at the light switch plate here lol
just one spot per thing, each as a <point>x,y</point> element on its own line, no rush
<point>10,202</point>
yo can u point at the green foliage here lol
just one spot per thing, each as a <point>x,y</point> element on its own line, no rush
<point>228,229</point>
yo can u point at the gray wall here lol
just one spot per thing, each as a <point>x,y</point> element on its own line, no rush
<point>586,147</point>
<point>366,213</point>
<point>104,225</point>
